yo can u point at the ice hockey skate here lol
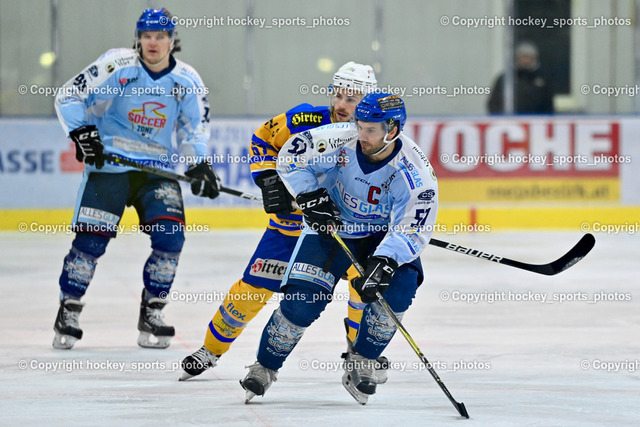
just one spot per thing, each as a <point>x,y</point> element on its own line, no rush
<point>381,365</point>
<point>197,363</point>
<point>359,376</point>
<point>154,333</point>
<point>66,326</point>
<point>258,380</point>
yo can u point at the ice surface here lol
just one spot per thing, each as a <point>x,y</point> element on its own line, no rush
<point>519,362</point>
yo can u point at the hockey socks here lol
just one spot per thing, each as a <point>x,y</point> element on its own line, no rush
<point>240,306</point>
<point>354,312</point>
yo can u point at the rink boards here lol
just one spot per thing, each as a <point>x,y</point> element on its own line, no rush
<point>494,173</point>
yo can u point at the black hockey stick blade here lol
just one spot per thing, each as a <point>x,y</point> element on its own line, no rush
<point>575,254</point>
<point>579,251</point>
<point>461,409</point>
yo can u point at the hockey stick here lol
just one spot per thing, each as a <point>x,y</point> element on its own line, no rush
<point>458,405</point>
<point>574,255</point>
<point>176,176</point>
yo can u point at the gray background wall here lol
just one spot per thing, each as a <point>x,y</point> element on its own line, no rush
<point>253,71</point>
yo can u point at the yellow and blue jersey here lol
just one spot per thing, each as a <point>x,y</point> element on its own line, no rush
<point>266,143</point>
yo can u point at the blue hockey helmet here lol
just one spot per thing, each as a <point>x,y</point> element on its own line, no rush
<point>382,107</point>
<point>155,20</point>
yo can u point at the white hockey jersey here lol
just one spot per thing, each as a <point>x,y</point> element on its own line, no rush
<point>398,194</point>
<point>136,110</point>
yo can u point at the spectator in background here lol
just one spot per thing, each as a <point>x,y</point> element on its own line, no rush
<point>532,93</point>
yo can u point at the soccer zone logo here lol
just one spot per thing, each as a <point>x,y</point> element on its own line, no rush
<point>268,268</point>
<point>148,120</point>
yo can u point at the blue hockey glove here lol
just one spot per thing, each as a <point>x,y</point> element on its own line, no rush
<point>88,145</point>
<point>208,184</point>
<point>377,276</point>
<point>320,213</point>
<point>275,196</point>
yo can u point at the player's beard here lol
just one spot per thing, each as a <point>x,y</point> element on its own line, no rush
<point>342,115</point>
<point>373,150</point>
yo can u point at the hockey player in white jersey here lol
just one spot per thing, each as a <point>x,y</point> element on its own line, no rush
<point>127,104</point>
<point>378,188</point>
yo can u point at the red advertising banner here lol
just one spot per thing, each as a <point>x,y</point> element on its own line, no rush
<point>523,160</point>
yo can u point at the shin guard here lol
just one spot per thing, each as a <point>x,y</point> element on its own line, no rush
<point>279,338</point>
<point>159,271</point>
<point>375,332</point>
<point>77,273</point>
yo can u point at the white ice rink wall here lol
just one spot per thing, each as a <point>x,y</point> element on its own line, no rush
<point>508,173</point>
<point>260,68</point>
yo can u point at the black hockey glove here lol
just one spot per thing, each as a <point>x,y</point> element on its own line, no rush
<point>320,213</point>
<point>376,277</point>
<point>275,197</point>
<point>208,184</point>
<point>88,145</point>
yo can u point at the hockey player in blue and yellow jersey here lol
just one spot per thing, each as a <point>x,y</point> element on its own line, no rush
<point>372,184</point>
<point>128,104</point>
<point>266,268</point>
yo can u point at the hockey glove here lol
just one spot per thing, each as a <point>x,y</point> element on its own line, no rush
<point>88,145</point>
<point>319,211</point>
<point>376,277</point>
<point>208,184</point>
<point>275,197</point>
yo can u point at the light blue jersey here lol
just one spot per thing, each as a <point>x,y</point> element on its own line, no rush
<point>398,194</point>
<point>137,110</point>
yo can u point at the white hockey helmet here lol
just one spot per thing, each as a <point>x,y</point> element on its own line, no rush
<point>357,77</point>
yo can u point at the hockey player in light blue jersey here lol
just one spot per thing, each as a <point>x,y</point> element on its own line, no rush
<point>266,267</point>
<point>378,188</point>
<point>128,104</point>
